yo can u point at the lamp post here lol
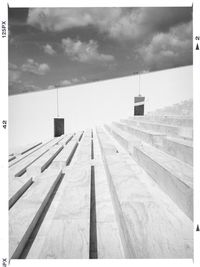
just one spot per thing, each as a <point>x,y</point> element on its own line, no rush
<point>59,123</point>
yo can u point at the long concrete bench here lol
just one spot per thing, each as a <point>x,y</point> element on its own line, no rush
<point>19,157</point>
<point>178,147</point>
<point>30,147</point>
<point>66,139</point>
<point>173,120</point>
<point>20,168</point>
<point>108,235</point>
<point>170,130</point>
<point>17,186</point>
<point>11,158</point>
<point>64,157</point>
<point>173,176</point>
<point>151,137</point>
<point>151,225</point>
<point>66,233</point>
<point>44,161</point>
<point>26,212</point>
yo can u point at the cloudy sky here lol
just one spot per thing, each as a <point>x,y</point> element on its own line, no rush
<point>69,46</point>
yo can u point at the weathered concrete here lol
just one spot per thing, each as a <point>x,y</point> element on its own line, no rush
<point>181,149</point>
<point>108,236</point>
<point>44,161</point>
<point>167,119</point>
<point>148,216</point>
<point>170,130</point>
<point>19,169</point>
<point>69,227</point>
<point>25,213</point>
<point>173,176</point>
<point>121,192</point>
<point>170,141</point>
<point>63,158</point>
<point>151,137</point>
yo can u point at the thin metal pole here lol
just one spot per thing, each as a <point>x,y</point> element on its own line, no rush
<point>57,103</point>
<point>139,83</point>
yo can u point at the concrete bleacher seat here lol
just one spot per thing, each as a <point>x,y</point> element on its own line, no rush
<point>142,208</point>
<point>173,176</point>
<point>20,168</point>
<point>176,146</point>
<point>24,215</point>
<point>124,190</point>
<point>183,121</point>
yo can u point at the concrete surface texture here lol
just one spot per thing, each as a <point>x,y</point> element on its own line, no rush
<point>124,190</point>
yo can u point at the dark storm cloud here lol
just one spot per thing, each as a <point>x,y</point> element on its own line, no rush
<point>169,49</point>
<point>161,19</point>
<point>117,23</point>
<point>17,15</point>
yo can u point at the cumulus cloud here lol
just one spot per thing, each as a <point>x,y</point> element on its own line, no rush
<point>119,23</point>
<point>84,52</point>
<point>173,48</point>
<point>14,73</point>
<point>61,83</point>
<point>64,83</point>
<point>48,49</point>
<point>34,67</point>
<point>14,76</point>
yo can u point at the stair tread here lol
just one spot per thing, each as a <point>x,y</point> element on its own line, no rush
<point>68,220</point>
<point>142,204</point>
<point>24,214</point>
<point>181,141</point>
<point>143,130</point>
<point>19,168</point>
<point>161,124</point>
<point>180,169</point>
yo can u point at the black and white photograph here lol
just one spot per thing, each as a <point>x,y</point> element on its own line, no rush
<point>99,125</point>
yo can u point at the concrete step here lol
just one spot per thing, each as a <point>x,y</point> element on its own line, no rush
<point>173,176</point>
<point>44,161</point>
<point>178,147</point>
<point>66,139</point>
<point>64,157</point>
<point>108,235</point>
<point>26,212</point>
<point>169,130</point>
<point>17,187</point>
<point>22,153</point>
<point>19,157</point>
<point>151,137</point>
<point>11,158</point>
<point>25,149</point>
<point>20,167</point>
<point>145,214</point>
<point>184,121</point>
<point>64,232</point>
<point>30,147</point>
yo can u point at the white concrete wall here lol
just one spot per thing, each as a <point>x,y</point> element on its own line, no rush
<point>31,115</point>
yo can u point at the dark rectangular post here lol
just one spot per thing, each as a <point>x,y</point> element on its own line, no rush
<point>58,127</point>
<point>139,108</point>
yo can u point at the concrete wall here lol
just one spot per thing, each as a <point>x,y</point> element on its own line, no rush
<point>31,115</point>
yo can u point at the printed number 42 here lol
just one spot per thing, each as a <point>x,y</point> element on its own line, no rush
<point>4,123</point>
